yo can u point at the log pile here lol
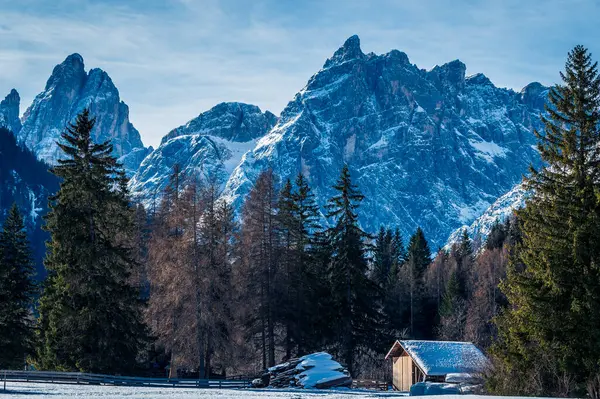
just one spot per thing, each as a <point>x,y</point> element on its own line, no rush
<point>317,370</point>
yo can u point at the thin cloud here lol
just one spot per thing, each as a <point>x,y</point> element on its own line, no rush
<point>172,60</point>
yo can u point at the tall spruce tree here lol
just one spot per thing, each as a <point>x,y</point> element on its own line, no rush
<point>17,290</point>
<point>382,256</point>
<point>355,296</point>
<point>464,264</point>
<point>286,286</point>
<point>419,257</point>
<point>388,259</point>
<point>90,314</point>
<point>310,277</point>
<point>550,334</point>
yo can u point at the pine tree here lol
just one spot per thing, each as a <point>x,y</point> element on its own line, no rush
<point>382,256</point>
<point>419,258</point>
<point>464,265</point>
<point>354,294</point>
<point>398,250</point>
<point>310,282</point>
<point>452,310</point>
<point>497,236</point>
<point>388,259</point>
<point>90,314</point>
<point>286,286</point>
<point>17,290</point>
<point>552,327</point>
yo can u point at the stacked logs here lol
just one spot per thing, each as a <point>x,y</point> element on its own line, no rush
<point>289,374</point>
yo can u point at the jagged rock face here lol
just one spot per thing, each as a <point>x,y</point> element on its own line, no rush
<point>68,91</point>
<point>9,112</point>
<point>209,146</point>
<point>499,211</point>
<point>427,148</point>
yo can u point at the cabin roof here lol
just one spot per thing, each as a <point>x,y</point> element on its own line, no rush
<point>443,357</point>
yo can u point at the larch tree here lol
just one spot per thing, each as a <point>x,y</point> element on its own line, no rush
<point>258,247</point>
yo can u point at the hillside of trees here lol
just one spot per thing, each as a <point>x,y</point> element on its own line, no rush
<point>26,181</point>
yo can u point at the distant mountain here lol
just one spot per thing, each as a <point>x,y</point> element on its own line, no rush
<point>427,148</point>
<point>9,112</point>
<point>68,91</point>
<point>211,144</point>
<point>499,211</point>
<point>26,181</point>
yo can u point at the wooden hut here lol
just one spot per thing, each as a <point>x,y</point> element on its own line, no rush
<point>415,361</point>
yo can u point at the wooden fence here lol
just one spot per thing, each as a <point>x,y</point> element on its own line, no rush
<point>370,384</point>
<point>103,379</point>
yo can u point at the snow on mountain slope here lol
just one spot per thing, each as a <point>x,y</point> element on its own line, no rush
<point>499,211</point>
<point>211,144</point>
<point>68,91</point>
<point>427,148</point>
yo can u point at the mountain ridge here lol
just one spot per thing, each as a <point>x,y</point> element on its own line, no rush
<point>427,148</point>
<point>208,146</point>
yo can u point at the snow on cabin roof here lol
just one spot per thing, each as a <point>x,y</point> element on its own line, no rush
<point>445,357</point>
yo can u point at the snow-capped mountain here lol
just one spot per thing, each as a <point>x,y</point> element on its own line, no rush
<point>211,144</point>
<point>427,148</point>
<point>68,91</point>
<point>499,211</point>
<point>9,112</point>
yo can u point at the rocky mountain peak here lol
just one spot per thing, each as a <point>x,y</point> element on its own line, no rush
<point>12,97</point>
<point>232,121</point>
<point>71,71</point>
<point>534,94</point>
<point>450,76</point>
<point>426,148</point>
<point>479,79</point>
<point>208,146</point>
<point>9,112</point>
<point>348,52</point>
<point>398,56</point>
<point>68,91</point>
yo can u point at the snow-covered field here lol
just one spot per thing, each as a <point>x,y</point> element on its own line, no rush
<point>55,391</point>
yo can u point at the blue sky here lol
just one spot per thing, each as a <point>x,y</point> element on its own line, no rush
<point>172,59</point>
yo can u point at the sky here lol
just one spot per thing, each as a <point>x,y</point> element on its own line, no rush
<point>173,59</point>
